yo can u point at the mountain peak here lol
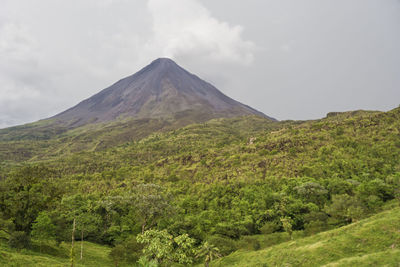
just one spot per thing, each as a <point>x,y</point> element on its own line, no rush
<point>162,89</point>
<point>160,64</point>
<point>163,62</point>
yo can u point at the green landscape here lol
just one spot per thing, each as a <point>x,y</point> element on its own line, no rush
<point>242,191</point>
<point>172,133</point>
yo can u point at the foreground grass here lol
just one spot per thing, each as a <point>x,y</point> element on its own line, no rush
<point>371,242</point>
<point>94,255</point>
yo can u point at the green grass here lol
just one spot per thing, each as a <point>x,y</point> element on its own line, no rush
<point>94,255</point>
<point>370,242</point>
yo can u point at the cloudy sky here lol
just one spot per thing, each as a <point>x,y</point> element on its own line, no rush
<point>291,59</point>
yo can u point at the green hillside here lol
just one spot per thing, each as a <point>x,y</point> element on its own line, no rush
<point>44,140</point>
<point>223,182</point>
<point>370,242</point>
<point>95,255</point>
<point>373,241</point>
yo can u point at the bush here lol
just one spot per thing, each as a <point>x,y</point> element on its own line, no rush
<point>133,249</point>
<point>256,245</point>
<point>250,243</point>
<point>270,227</point>
<point>229,229</point>
<point>226,245</point>
<point>315,227</point>
<point>117,254</point>
<point>345,209</point>
<point>19,240</point>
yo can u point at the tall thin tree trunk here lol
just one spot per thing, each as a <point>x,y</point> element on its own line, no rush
<point>144,225</point>
<point>81,244</point>
<point>72,245</point>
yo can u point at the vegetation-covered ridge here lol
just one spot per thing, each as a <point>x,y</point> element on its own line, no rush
<point>43,140</point>
<point>370,242</point>
<point>209,185</point>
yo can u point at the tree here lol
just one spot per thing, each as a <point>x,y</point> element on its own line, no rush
<point>184,251</point>
<point>287,225</point>
<point>144,262</point>
<point>6,225</point>
<point>133,250</point>
<point>345,208</point>
<point>87,221</point>
<point>312,192</point>
<point>72,254</point>
<point>208,251</point>
<point>151,203</point>
<point>161,246</point>
<point>157,245</point>
<point>43,229</point>
<point>224,244</point>
<point>81,210</point>
<point>26,192</point>
<point>117,254</point>
<point>19,240</point>
<point>374,193</point>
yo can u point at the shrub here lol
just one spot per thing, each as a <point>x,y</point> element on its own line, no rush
<point>117,254</point>
<point>345,208</point>
<point>250,243</point>
<point>133,249</point>
<point>270,227</point>
<point>19,240</point>
<point>226,245</point>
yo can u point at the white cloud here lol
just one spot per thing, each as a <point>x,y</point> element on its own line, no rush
<point>185,28</point>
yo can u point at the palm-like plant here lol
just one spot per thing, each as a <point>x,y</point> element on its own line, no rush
<point>209,251</point>
<point>144,262</point>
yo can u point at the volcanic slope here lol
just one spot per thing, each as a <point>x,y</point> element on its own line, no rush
<point>161,90</point>
<point>161,96</point>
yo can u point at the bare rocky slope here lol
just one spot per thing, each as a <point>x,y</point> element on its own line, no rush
<point>160,90</point>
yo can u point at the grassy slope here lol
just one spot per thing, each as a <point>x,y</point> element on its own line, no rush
<point>94,255</point>
<point>370,242</point>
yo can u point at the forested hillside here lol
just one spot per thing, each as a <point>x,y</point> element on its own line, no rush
<point>202,187</point>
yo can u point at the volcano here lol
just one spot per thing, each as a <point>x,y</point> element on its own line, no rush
<point>162,89</point>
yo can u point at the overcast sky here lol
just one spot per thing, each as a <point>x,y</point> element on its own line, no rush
<point>291,59</point>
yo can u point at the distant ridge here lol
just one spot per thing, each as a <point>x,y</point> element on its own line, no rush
<point>160,90</point>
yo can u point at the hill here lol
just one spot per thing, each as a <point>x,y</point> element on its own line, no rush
<point>370,242</point>
<point>221,181</point>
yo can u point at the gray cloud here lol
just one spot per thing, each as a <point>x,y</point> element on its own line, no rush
<point>290,59</point>
<point>318,56</point>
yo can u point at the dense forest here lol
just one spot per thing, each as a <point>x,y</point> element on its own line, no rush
<point>200,192</point>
